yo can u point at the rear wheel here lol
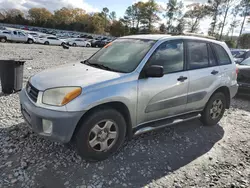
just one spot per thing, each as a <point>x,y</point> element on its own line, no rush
<point>88,45</point>
<point>100,134</point>
<point>3,40</point>
<point>74,44</point>
<point>214,109</point>
<point>46,43</point>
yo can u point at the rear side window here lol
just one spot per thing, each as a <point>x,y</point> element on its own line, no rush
<point>197,55</point>
<point>221,54</point>
<point>14,32</point>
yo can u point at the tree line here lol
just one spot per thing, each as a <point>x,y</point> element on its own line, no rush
<point>140,17</point>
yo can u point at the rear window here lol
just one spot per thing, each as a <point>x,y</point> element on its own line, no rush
<point>221,54</point>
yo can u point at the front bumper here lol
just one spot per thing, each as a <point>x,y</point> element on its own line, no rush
<point>64,123</point>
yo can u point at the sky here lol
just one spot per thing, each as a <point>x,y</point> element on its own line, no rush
<point>119,6</point>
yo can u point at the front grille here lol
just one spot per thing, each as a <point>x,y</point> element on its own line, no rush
<point>32,92</point>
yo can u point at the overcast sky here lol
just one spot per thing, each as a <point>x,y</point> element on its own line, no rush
<point>89,6</point>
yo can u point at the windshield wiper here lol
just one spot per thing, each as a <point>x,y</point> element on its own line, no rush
<point>86,62</point>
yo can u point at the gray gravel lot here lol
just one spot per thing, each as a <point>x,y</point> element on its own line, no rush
<point>185,155</point>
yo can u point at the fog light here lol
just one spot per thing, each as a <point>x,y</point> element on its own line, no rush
<point>47,126</point>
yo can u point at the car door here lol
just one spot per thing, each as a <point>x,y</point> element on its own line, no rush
<point>166,96</point>
<point>228,70</point>
<point>204,74</point>
<point>21,37</point>
<point>57,41</point>
<point>15,36</point>
<point>80,42</point>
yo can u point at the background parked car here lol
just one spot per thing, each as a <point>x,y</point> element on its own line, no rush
<point>244,77</point>
<point>242,56</point>
<point>16,36</point>
<point>51,40</point>
<point>79,42</point>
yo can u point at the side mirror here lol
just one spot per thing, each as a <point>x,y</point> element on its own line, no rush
<point>155,71</point>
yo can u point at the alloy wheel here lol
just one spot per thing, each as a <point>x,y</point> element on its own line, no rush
<point>103,135</point>
<point>216,109</point>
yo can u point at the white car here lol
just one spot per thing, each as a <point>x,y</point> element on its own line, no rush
<point>79,42</point>
<point>50,40</point>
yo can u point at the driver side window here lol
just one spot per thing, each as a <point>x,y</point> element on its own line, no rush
<point>170,56</point>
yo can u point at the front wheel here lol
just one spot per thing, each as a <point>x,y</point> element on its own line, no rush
<point>74,44</point>
<point>88,45</point>
<point>30,41</point>
<point>214,109</point>
<point>46,43</point>
<point>100,134</point>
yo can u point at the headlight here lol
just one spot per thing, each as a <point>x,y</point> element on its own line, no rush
<point>60,96</point>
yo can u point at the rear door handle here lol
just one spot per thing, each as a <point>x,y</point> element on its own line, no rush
<point>182,78</point>
<point>214,72</point>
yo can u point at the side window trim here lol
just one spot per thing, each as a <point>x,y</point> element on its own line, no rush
<point>209,45</point>
<point>184,58</point>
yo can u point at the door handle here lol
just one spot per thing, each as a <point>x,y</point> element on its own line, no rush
<point>182,78</point>
<point>214,72</point>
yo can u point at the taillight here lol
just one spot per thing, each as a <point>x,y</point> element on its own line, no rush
<point>237,71</point>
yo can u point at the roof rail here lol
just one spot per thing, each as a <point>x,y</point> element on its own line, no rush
<point>198,35</point>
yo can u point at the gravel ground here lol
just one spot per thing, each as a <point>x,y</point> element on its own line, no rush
<point>185,155</point>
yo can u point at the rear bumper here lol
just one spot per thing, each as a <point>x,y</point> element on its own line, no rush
<point>244,88</point>
<point>233,90</point>
<point>63,123</point>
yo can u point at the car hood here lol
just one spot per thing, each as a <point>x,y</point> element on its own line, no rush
<point>73,75</point>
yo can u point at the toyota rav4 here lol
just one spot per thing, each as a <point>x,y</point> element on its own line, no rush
<point>133,85</point>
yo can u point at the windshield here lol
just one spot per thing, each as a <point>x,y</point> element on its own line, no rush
<point>122,55</point>
<point>246,62</point>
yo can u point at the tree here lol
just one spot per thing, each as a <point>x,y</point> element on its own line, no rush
<point>194,16</point>
<point>149,12</point>
<point>133,15</point>
<point>163,28</point>
<point>181,25</point>
<point>14,16</point>
<point>96,24</point>
<point>63,16</point>
<point>39,16</point>
<point>112,16</point>
<point>105,12</point>
<point>235,22</point>
<point>244,41</point>
<point>214,9</point>
<point>173,13</point>
<point>117,28</point>
<point>245,11</point>
<point>224,9</point>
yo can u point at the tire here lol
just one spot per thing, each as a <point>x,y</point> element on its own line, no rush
<point>63,43</point>
<point>46,43</point>
<point>74,44</point>
<point>3,40</point>
<point>86,134</point>
<point>87,45</point>
<point>96,46</point>
<point>30,41</point>
<point>214,109</point>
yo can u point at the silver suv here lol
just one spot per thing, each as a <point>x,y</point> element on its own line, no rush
<point>132,85</point>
